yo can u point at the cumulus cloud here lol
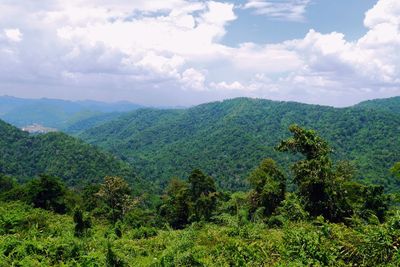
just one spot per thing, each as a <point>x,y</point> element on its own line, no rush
<point>229,86</point>
<point>13,35</point>
<point>371,61</point>
<point>290,10</point>
<point>170,52</point>
<point>193,79</point>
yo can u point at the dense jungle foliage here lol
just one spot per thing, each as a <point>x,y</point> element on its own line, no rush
<point>325,218</point>
<point>226,139</point>
<point>391,105</point>
<point>25,156</point>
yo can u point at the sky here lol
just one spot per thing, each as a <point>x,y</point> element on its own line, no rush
<point>186,52</point>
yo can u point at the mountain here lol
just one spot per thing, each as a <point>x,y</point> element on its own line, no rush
<point>92,121</point>
<point>391,105</point>
<point>26,156</point>
<point>55,113</point>
<point>228,139</point>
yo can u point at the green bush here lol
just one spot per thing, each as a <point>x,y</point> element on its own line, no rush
<point>309,245</point>
<point>144,232</point>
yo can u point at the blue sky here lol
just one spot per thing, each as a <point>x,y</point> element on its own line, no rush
<point>325,16</point>
<point>186,52</point>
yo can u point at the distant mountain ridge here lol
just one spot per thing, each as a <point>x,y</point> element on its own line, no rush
<point>55,113</point>
<point>391,105</point>
<point>227,139</point>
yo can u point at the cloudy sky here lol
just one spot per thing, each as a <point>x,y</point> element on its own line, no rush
<point>185,52</point>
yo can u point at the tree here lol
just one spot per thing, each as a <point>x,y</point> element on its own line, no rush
<point>176,207</point>
<point>395,170</point>
<point>90,197</point>
<point>320,186</point>
<point>269,186</point>
<point>6,183</point>
<point>190,201</point>
<point>203,195</point>
<point>48,192</point>
<point>116,194</point>
<point>200,184</point>
<point>81,224</point>
<point>291,208</point>
<point>375,202</point>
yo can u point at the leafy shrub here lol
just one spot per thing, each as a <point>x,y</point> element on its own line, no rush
<point>185,258</point>
<point>370,245</point>
<point>138,217</point>
<point>276,221</point>
<point>112,259</point>
<point>235,252</point>
<point>309,245</point>
<point>82,225</point>
<point>144,232</point>
<point>292,209</point>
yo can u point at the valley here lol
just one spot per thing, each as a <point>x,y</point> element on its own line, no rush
<point>242,182</point>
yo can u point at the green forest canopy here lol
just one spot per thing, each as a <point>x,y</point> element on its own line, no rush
<point>327,220</point>
<point>25,156</point>
<point>227,139</point>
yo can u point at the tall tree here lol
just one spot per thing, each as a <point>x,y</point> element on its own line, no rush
<point>269,185</point>
<point>81,224</point>
<point>47,192</point>
<point>200,184</point>
<point>318,183</point>
<point>203,195</point>
<point>116,193</point>
<point>375,202</point>
<point>176,203</point>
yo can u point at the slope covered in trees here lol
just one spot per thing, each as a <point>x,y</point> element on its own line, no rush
<point>90,122</point>
<point>327,219</point>
<point>26,156</point>
<point>227,139</point>
<point>391,105</point>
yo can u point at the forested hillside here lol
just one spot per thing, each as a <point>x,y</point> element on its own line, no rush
<point>227,139</point>
<point>92,121</point>
<point>391,105</point>
<point>25,156</point>
<point>327,219</point>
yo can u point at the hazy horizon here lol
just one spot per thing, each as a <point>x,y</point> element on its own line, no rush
<point>179,106</point>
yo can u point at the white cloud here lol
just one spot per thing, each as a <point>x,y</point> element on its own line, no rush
<point>181,33</point>
<point>13,35</point>
<point>229,86</point>
<point>291,10</point>
<point>193,79</point>
<point>171,52</point>
<point>385,11</point>
<point>266,58</point>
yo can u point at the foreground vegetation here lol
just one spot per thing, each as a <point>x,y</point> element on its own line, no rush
<point>322,218</point>
<point>36,237</point>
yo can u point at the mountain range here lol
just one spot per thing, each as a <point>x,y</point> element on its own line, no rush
<point>226,139</point>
